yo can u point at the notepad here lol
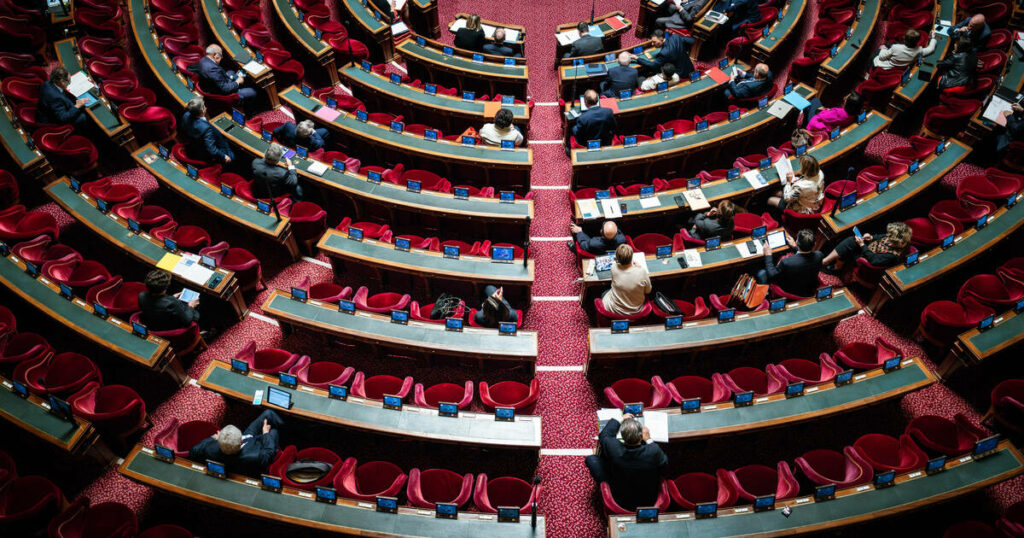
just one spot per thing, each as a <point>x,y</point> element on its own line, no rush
<point>650,202</point>
<point>755,179</point>
<point>796,100</point>
<point>780,108</point>
<point>568,37</point>
<point>588,208</point>
<point>253,68</point>
<point>783,167</point>
<point>327,113</point>
<point>80,83</point>
<point>610,208</point>
<point>995,109</point>
<point>657,425</point>
<point>696,200</point>
<point>317,167</point>
<point>692,257</point>
<point>616,22</point>
<point>168,262</point>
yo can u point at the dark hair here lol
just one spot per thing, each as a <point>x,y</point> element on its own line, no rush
<point>59,75</point>
<point>494,311</point>
<point>503,118</point>
<point>658,34</point>
<point>805,240</point>
<point>590,97</point>
<point>726,210</point>
<point>853,105</point>
<point>963,44</point>
<point>911,37</point>
<point>157,281</point>
<point>583,27</point>
<point>668,70</point>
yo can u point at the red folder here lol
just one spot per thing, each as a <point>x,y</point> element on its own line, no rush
<point>718,75</point>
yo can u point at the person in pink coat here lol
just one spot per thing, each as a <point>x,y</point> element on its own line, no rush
<point>828,119</point>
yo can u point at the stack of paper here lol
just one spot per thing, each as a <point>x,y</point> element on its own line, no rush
<point>188,268</point>
<point>588,208</point>
<point>783,167</point>
<point>780,108</point>
<point>692,257</point>
<point>696,200</point>
<point>610,208</point>
<point>399,28</point>
<point>317,167</point>
<point>80,84</point>
<point>568,37</point>
<point>639,258</point>
<point>996,107</point>
<point>253,68</point>
<point>755,179</point>
<point>649,202</point>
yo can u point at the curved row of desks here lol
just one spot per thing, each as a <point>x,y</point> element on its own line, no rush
<point>748,327</point>
<point>111,334</point>
<point>371,29</point>
<point>152,53</point>
<point>901,280</point>
<point>826,400</point>
<point>856,504</point>
<point>415,422</point>
<point>828,151</point>
<point>489,27</point>
<point>849,48</point>
<point>418,337</point>
<point>1012,82</point>
<point>422,17</point>
<point>294,507</point>
<point>101,113</point>
<point>611,32</point>
<point>357,187</point>
<point>974,346</point>
<point>920,76</point>
<point>292,20</point>
<point>33,415</point>
<point>426,60</point>
<point>142,246</point>
<point>20,147</point>
<point>235,50</point>
<point>782,31</point>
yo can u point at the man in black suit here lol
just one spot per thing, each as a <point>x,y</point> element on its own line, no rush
<point>56,105</point>
<point>248,452</point>
<point>268,175</point>
<point>608,241</point>
<point>595,123</point>
<point>586,45</point>
<point>976,29</point>
<point>203,141</point>
<point>621,77</point>
<point>162,312</point>
<point>796,274</point>
<point>632,467</point>
<point>744,85</point>
<point>1014,128</point>
<point>743,12</point>
<point>214,79</point>
<point>679,13</point>
<point>675,50</point>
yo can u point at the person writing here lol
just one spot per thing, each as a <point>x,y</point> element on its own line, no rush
<point>248,452</point>
<point>796,274</point>
<point>673,49</point>
<point>304,134</point>
<point>268,175</point>
<point>609,240</point>
<point>885,252</point>
<point>202,140</point>
<point>471,37</point>
<point>803,192</point>
<point>57,106</point>
<point>630,284</point>
<point>495,309</point>
<point>621,77</point>
<point>162,312</point>
<point>632,467</point>
<point>502,129</point>
<point>715,222</point>
<point>595,123</point>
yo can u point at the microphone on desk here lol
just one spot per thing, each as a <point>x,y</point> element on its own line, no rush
<point>849,174</point>
<point>533,505</point>
<point>591,12</point>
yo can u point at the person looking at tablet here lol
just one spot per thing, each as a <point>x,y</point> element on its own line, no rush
<point>163,312</point>
<point>796,274</point>
<point>632,467</point>
<point>630,284</point>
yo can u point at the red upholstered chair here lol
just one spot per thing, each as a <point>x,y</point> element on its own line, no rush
<point>348,49</point>
<point>744,223</point>
<point>471,317</point>
<point>886,453</point>
<point>27,36</point>
<point>23,65</point>
<point>183,341</point>
<point>326,291</point>
<point>268,360</point>
<point>522,398</point>
<point>8,323</point>
<point>444,392</point>
<point>1007,404</point>
<point>690,311</point>
<point>794,221</point>
<point>380,302</point>
<point>79,274</point>
<point>8,470</point>
<point>432,486</point>
<point>942,321</point>
<point>1013,268</point>
<point>320,374</point>
<point>919,148</point>
<point>120,298</point>
<point>114,409</point>
<point>748,378</point>
<point>753,481</point>
<point>375,387</point>
<point>796,370</point>
<point>27,503</point>
<point>114,193</point>
<point>9,192</point>
<point>246,267</point>
<point>691,489</point>
<point>370,230</point>
<point>279,467</point>
<point>652,394</point>
<point>16,224</point>
<point>709,391</point>
<point>991,291</point>
<point>488,495</point>
<point>868,275</point>
<point>416,241</point>
<point>42,249</point>
<point>663,501</point>
<point>604,317</point>
<point>368,481</point>
<point>721,302</point>
<point>422,313</point>
<point>188,237</point>
<point>927,232</point>
<point>61,375</point>
<point>308,222</point>
<point>950,117</point>
<point>167,531</point>
<point>973,529</point>
<point>966,210</point>
<point>147,216</point>
<point>104,520</point>
<point>149,123</point>
<point>182,436</point>
<point>22,347</point>
<point>845,469</point>
<point>286,69</point>
<point>648,243</point>
<point>864,356</point>
<point>943,436</point>
<point>996,188</point>
<point>21,89</point>
<point>68,152</point>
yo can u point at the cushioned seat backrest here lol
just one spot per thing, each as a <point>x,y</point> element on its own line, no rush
<point>440,485</point>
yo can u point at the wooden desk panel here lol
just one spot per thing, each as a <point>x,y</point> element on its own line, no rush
<point>422,17</point>
<point>780,31</point>
<point>611,38</point>
<point>371,28</point>
<point>221,28</point>
<point>849,49</point>
<point>425,59</point>
<point>21,147</point>
<point>906,95</point>
<point>291,19</point>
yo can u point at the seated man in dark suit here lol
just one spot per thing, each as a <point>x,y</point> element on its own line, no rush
<point>495,309</point>
<point>1014,129</point>
<point>248,452</point>
<point>798,273</point>
<point>214,79</point>
<point>608,241</point>
<point>304,134</point>
<point>270,180</point>
<point>744,85</point>
<point>586,45</point>
<point>632,467</point>
<point>679,13</point>
<point>675,50</point>
<point>976,29</point>
<point>498,47</point>
<point>742,12</point>
<point>162,312</point>
<point>58,106</point>
<point>595,123</point>
<point>621,77</point>
<point>204,142</point>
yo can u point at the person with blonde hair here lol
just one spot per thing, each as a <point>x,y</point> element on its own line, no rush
<point>803,192</point>
<point>885,252</point>
<point>630,284</point>
<point>471,37</point>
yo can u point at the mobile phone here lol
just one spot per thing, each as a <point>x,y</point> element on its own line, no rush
<point>857,233</point>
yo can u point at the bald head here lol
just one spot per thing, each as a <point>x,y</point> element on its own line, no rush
<point>609,230</point>
<point>760,71</point>
<point>590,97</point>
<point>214,52</point>
<point>977,21</point>
<point>623,58</point>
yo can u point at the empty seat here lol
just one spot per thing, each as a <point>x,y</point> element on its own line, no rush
<point>17,224</point>
<point>489,494</point>
<point>698,309</point>
<point>243,263</point>
<point>886,453</point>
<point>691,489</point>
<point>42,249</point>
<point>652,394</point>
<point>320,374</point>
<point>120,298</point>
<point>944,436</point>
<point>368,481</point>
<point>462,395</point>
<point>381,302</point>
<point>19,347</point>
<point>60,375</point>
<point>522,398</point>
<point>77,273</point>
<point>753,481</point>
<point>103,520</point>
<point>796,370</point>
<point>328,292</point>
<point>290,455</point>
<point>182,436</point>
<point>114,409</point>
<point>748,378</point>
<point>27,503</point>
<point>267,360</point>
<point>864,356</point>
<point>376,387</point>
<point>844,469</point>
<point>429,487</point>
<point>691,386</point>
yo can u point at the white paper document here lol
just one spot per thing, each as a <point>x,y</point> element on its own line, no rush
<point>80,83</point>
<point>692,257</point>
<point>779,109</point>
<point>610,208</point>
<point>399,28</point>
<point>317,167</point>
<point>639,258</point>
<point>657,424</point>
<point>696,200</point>
<point>188,268</point>
<point>755,179</point>
<point>783,167</point>
<point>996,107</point>
<point>588,208</point>
<point>609,414</point>
<point>650,202</point>
<point>568,37</point>
<point>253,68</point>
<point>459,24</point>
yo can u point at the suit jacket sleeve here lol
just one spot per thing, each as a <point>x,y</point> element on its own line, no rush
<point>60,106</point>
<point>610,446</point>
<point>203,450</point>
<point>285,133</point>
<point>1015,125</point>
<point>211,143</point>
<point>217,75</point>
<point>184,313</point>
<point>268,447</point>
<point>771,268</point>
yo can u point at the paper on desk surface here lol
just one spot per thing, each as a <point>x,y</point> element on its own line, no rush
<point>80,83</point>
<point>995,109</point>
<point>692,257</point>
<point>399,4</point>
<point>744,251</point>
<point>588,208</point>
<point>168,262</point>
<point>755,179</point>
<point>783,167</point>
<point>253,68</point>
<point>595,31</point>
<point>189,269</point>
<point>316,167</point>
<point>609,414</point>
<point>568,37</point>
<point>610,208</point>
<point>459,24</point>
<point>399,28</point>
<point>650,202</point>
<point>780,108</point>
<point>327,113</point>
<point>696,200</point>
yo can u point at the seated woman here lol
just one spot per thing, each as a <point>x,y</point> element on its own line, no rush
<point>716,221</point>
<point>803,193</point>
<point>959,70</point>
<point>495,309</point>
<point>885,252</point>
<point>828,119</point>
<point>630,284</point>
<point>471,37</point>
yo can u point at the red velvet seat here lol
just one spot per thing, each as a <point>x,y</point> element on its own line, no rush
<point>183,341</point>
<point>114,409</point>
<point>182,436</point>
<point>104,520</point>
<point>992,291</point>
<point>488,495</point>
<point>120,298</point>
<point>279,467</point>
<point>23,89</point>
<point>886,453</point>
<point>23,65</point>
<point>77,273</point>
<point>753,481</point>
<point>320,374</point>
<point>267,360</point>
<point>70,153</point>
<point>149,123</point>
<point>27,503</point>
<point>966,210</point>
<point>31,37</point>
<point>523,398</point>
<point>375,387</point>
<point>22,347</point>
<point>188,237</point>
<point>648,243</point>
<point>744,223</point>
<point>927,233</point>
<point>309,221</point>
<point>943,436</point>
<point>245,265</point>
<point>864,356</point>
<point>42,249</point>
<point>432,486</point>
<point>416,241</point>
<point>993,188</point>
<point>328,292</point>
<point>287,70</point>
<point>61,375</point>
<point>9,192</point>
<point>111,192</point>
<point>17,224</point>
<point>942,321</point>
<point>444,392</point>
<point>167,531</point>
<point>368,481</point>
<point>611,506</point>
<point>652,394</point>
<point>690,311</point>
<point>380,302</point>
<point>8,323</point>
<point>148,216</point>
<point>691,489</point>
<point>8,470</point>
<point>604,317</point>
<point>748,378</point>
<point>709,391</point>
<point>721,302</point>
<point>950,117</point>
<point>370,230</point>
<point>1007,403</point>
<point>845,469</point>
<point>796,370</point>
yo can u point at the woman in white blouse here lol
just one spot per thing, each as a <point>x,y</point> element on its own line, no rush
<point>804,192</point>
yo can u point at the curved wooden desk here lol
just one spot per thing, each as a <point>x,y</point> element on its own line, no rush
<point>235,50</point>
<point>612,25</point>
<point>101,113</point>
<point>425,59</point>
<point>850,48</point>
<point>370,27</point>
<point>21,147</point>
<point>152,52</point>
<point>292,19</point>
<point>782,30</point>
<point>33,415</point>
<point>974,346</point>
<point>907,94</point>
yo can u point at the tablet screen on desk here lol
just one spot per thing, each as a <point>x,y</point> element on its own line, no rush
<point>764,502</point>
<point>326,495</point>
<point>337,392</point>
<point>506,197</point>
<point>300,294</point>
<point>447,409</point>
<point>468,96</point>
<point>823,293</point>
<point>400,316</point>
<point>728,314</point>
<point>777,305</point>
<point>667,134</point>
<point>430,134</point>
<point>636,409</point>
<point>66,291</point>
<point>620,326</point>
<point>508,514</point>
<point>469,141</point>
<point>215,468</point>
<point>985,446</point>
<point>446,510</point>
<point>347,307</point>
<point>362,116</point>
<point>504,414</point>
<point>848,200</point>
<point>367,66</point>
<point>947,241</point>
<point>392,402</point>
<point>691,405</point>
<point>824,493</point>
<point>884,479</point>
<point>507,328</point>
<point>935,465</point>
<point>430,89</point>
<point>664,251</point>
<point>712,243</point>
<point>288,380</point>
<point>704,510</point>
<point>647,515</point>
<point>19,388</point>
<point>451,251</point>
<point>502,254</point>
<point>396,78</point>
<point>892,364</point>
<point>163,453</point>
<point>844,377</point>
<point>237,116</point>
<point>270,483</point>
<point>462,193</point>
<point>744,398</point>
<point>278,397</point>
<point>397,126</point>
<point>795,389</point>
<point>453,324</point>
<point>60,408</point>
<point>240,366</point>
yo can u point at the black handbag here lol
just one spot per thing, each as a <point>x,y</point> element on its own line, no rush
<point>666,305</point>
<point>307,471</point>
<point>447,306</point>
